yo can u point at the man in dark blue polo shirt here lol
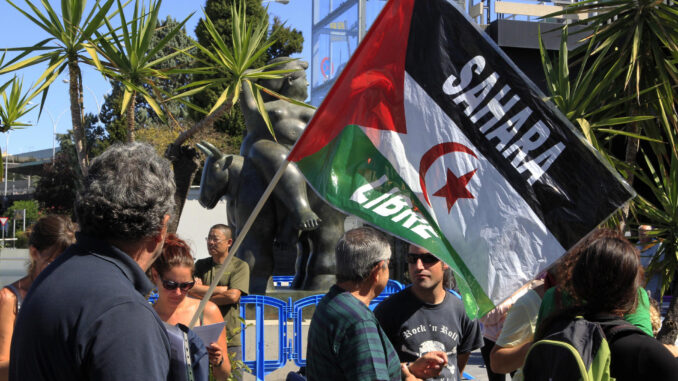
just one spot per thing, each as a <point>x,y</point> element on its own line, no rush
<point>86,317</point>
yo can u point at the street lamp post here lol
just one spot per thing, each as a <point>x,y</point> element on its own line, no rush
<point>96,100</point>
<point>54,125</point>
<point>6,160</point>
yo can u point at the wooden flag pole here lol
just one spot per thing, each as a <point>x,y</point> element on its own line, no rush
<point>239,239</point>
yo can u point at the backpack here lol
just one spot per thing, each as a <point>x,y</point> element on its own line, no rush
<point>574,349</point>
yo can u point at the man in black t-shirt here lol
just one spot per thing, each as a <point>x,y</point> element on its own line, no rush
<point>425,317</point>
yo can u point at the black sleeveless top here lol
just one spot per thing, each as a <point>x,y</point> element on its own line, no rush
<point>16,292</point>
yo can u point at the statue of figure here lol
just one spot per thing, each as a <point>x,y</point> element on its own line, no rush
<point>288,121</point>
<point>293,216</point>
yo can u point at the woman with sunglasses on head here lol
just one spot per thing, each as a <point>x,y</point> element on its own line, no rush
<point>172,273</point>
<point>50,236</point>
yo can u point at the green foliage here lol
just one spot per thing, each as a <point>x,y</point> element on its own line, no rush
<point>238,367</point>
<point>58,185</point>
<point>159,136</point>
<point>14,212</point>
<point>69,31</point>
<point>625,100</point>
<point>128,57</point>
<point>112,115</point>
<point>288,41</point>
<point>22,238</point>
<point>96,138</point>
<point>180,41</point>
<point>15,104</point>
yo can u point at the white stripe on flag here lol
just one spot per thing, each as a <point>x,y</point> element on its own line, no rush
<point>497,235</point>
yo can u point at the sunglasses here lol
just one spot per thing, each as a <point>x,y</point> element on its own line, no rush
<point>171,285</point>
<point>425,258</point>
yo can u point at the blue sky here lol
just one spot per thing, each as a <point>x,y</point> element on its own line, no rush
<point>16,30</point>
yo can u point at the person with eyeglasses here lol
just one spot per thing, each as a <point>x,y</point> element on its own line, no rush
<point>172,273</point>
<point>233,284</point>
<point>345,341</point>
<point>426,317</point>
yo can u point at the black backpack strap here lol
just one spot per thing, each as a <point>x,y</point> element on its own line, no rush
<point>616,329</point>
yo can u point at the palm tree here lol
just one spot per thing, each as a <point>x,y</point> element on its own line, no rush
<point>63,50</point>
<point>627,86</point>
<point>128,58</point>
<point>228,64</point>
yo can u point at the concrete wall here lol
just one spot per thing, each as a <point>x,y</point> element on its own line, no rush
<point>196,221</point>
<point>12,265</point>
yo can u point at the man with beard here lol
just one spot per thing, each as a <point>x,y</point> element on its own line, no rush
<point>425,317</point>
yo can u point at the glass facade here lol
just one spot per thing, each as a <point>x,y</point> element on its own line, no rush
<point>338,26</point>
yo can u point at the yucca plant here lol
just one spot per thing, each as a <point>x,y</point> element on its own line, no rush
<point>628,86</point>
<point>228,64</point>
<point>69,32</point>
<point>127,57</point>
<point>231,65</point>
<point>15,105</point>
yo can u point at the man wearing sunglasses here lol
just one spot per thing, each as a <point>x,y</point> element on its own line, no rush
<point>426,317</point>
<point>86,316</point>
<point>345,341</point>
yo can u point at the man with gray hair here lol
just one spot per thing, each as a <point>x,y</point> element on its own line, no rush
<point>345,341</point>
<point>86,316</point>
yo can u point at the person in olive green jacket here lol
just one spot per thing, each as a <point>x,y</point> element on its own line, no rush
<point>233,284</point>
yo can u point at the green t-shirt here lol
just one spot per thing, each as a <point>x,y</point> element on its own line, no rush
<point>236,276</point>
<point>640,317</point>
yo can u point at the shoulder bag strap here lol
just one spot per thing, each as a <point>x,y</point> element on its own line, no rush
<point>16,292</point>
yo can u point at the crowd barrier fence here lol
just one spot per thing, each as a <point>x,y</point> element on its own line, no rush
<point>289,348</point>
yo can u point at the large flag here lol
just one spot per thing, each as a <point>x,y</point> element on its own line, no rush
<point>432,134</point>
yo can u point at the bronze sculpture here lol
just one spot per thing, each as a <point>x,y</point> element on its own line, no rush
<point>294,216</point>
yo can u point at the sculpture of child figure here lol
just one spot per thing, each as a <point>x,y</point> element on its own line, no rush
<point>288,121</point>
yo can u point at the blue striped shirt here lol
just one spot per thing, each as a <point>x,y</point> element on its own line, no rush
<point>345,342</point>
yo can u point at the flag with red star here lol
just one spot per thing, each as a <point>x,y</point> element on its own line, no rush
<point>432,134</point>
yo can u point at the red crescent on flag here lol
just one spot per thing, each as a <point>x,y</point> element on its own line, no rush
<point>434,153</point>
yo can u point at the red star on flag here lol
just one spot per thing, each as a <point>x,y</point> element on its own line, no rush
<point>455,188</point>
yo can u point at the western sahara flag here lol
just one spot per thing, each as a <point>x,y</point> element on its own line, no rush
<point>432,134</point>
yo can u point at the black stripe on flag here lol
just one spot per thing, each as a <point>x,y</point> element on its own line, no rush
<point>577,191</point>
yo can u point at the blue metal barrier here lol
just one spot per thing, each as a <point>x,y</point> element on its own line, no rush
<point>392,287</point>
<point>282,281</point>
<point>298,309</point>
<point>292,349</point>
<point>260,366</point>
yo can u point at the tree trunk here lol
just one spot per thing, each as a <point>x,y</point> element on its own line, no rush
<point>186,163</point>
<point>75,95</point>
<point>207,122</point>
<point>130,117</point>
